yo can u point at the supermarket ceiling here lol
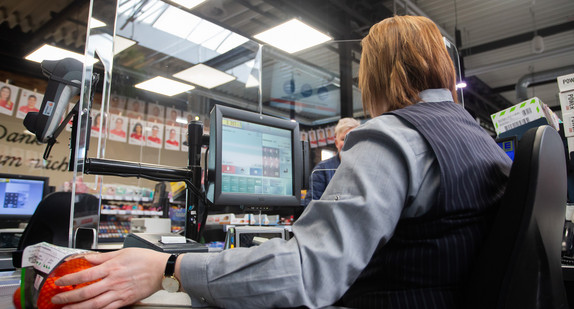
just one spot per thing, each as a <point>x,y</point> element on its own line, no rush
<point>494,38</point>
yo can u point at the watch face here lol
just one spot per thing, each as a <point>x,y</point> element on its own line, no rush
<point>170,284</point>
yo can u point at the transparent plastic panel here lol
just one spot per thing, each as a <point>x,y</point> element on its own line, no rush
<point>200,64</point>
<point>96,79</point>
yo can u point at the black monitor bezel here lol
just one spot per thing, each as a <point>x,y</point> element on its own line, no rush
<point>214,193</point>
<point>46,190</point>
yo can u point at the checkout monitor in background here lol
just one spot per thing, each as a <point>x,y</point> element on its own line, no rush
<point>508,144</point>
<point>19,197</point>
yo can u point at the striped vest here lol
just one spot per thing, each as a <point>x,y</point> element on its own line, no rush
<point>426,262</point>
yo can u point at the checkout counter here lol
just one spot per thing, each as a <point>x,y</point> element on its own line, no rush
<point>250,235</point>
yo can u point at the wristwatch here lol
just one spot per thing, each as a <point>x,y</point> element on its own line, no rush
<point>169,281</point>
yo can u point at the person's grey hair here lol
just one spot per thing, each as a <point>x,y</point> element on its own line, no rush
<point>346,124</point>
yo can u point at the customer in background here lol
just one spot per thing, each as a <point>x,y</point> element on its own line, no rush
<point>399,225</point>
<point>324,170</point>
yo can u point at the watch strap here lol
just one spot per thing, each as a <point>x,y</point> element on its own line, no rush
<point>170,265</point>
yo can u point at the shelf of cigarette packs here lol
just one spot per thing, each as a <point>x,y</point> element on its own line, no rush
<point>120,204</point>
<point>128,200</point>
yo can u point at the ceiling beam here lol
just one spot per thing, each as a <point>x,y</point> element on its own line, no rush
<point>520,38</point>
<point>568,50</point>
<point>70,12</point>
<point>512,87</point>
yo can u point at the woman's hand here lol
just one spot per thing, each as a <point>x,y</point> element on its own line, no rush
<point>127,276</point>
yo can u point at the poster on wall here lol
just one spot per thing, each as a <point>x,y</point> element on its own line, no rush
<point>137,136</point>
<point>188,117</point>
<point>312,139</point>
<point>8,95</point>
<point>119,125</point>
<point>171,116</point>
<point>155,113</point>
<point>172,138</point>
<point>321,138</point>
<point>29,101</point>
<point>304,136</point>
<point>135,109</point>
<point>154,135</point>
<point>118,105</point>
<point>330,135</point>
<point>98,124</point>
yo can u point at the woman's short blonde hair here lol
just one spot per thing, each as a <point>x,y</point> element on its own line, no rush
<point>346,124</point>
<point>402,56</point>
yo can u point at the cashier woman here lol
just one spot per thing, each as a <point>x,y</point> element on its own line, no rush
<point>397,227</point>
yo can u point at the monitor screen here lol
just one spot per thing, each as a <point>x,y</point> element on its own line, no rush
<point>254,160</point>
<point>20,195</point>
<point>508,144</point>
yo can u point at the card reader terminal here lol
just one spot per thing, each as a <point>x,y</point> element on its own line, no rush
<point>154,242</point>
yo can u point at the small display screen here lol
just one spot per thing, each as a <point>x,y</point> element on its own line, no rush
<point>508,146</point>
<point>255,239</point>
<point>20,197</point>
<point>256,159</point>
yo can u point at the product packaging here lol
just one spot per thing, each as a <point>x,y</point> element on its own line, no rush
<point>42,265</point>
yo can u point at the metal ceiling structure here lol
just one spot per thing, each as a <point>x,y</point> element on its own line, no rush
<point>494,39</point>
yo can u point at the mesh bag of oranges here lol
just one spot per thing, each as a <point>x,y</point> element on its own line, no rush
<point>42,265</point>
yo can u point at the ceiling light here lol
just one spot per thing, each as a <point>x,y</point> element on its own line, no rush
<point>216,40</point>
<point>49,52</point>
<point>293,36</point>
<point>204,76</point>
<point>537,44</point>
<point>96,23</point>
<point>231,42</point>
<point>251,82</point>
<point>177,22</point>
<point>204,31</point>
<point>461,84</point>
<point>164,86</point>
<point>121,44</point>
<point>188,4</point>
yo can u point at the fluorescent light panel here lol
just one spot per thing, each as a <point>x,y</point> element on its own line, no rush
<point>199,31</point>
<point>251,82</point>
<point>293,36</point>
<point>121,44</point>
<point>188,4</point>
<point>204,31</point>
<point>164,86</point>
<point>231,42</point>
<point>204,76</point>
<point>49,52</point>
<point>177,22</point>
<point>96,23</point>
<point>215,41</point>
